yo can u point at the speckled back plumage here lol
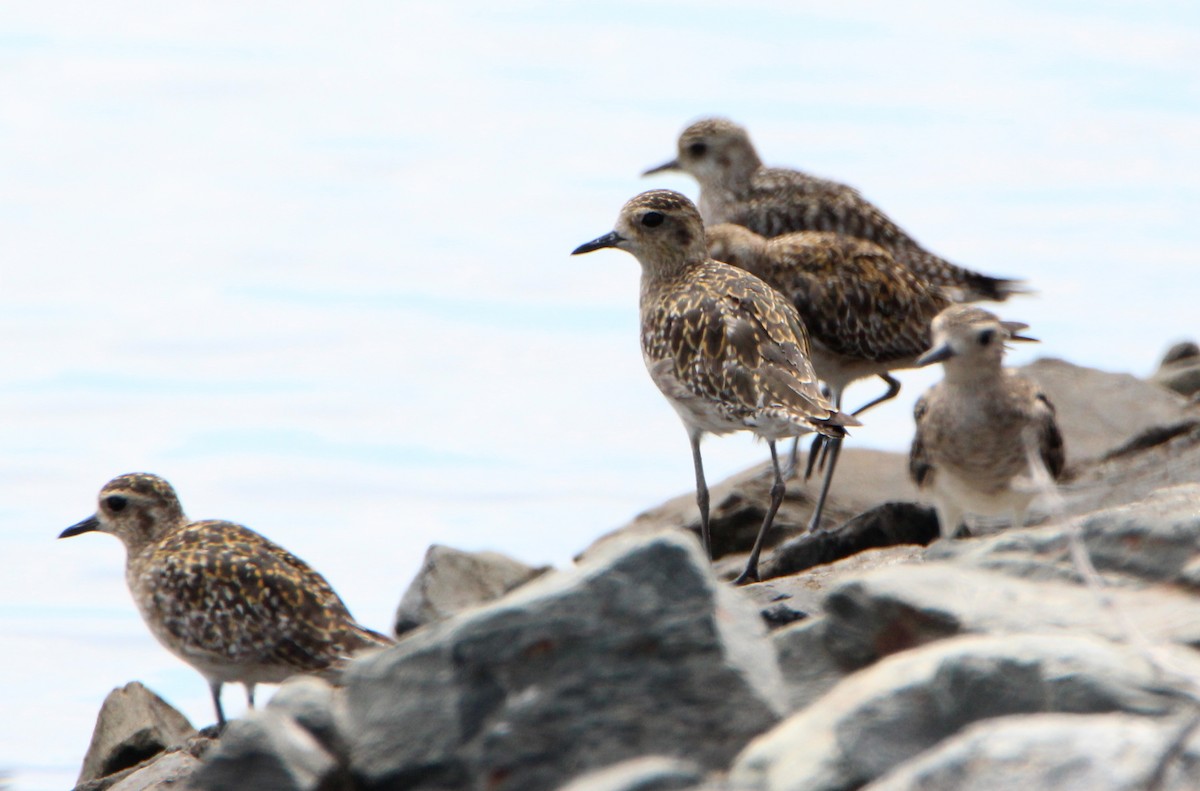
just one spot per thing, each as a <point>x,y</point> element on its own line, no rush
<point>220,593</point>
<point>223,598</point>
<point>730,340</point>
<point>736,188</point>
<point>857,302</point>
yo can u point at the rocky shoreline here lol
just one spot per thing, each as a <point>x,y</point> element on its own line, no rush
<point>872,656</point>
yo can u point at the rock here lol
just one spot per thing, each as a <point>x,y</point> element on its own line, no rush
<point>1132,476</point>
<point>809,668</point>
<point>791,598</point>
<point>737,504</point>
<point>907,703</point>
<point>649,773</point>
<point>1097,410</point>
<point>900,607</point>
<point>1056,752</point>
<point>168,770</point>
<point>451,580</point>
<point>134,725</point>
<point>310,701</point>
<point>886,525</point>
<point>1180,369</point>
<point>1156,539</point>
<point>639,650</point>
<point>268,750</point>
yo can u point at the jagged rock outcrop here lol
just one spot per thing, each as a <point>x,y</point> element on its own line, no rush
<point>895,660</point>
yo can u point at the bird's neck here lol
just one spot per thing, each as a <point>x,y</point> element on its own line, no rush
<point>972,373</point>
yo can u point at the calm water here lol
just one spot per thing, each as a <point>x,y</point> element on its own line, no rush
<point>310,264</point>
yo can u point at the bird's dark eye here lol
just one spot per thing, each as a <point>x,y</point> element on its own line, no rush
<point>652,219</point>
<point>986,336</point>
<point>116,503</point>
<point>697,149</point>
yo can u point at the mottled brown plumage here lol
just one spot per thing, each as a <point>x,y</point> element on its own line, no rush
<point>226,600</point>
<point>987,439</point>
<point>735,187</point>
<point>729,352</point>
<point>866,314</point>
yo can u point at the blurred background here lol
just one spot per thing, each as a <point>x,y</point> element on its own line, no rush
<point>309,261</point>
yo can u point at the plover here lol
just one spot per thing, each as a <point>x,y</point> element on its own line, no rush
<point>221,597</point>
<point>987,441</point>
<point>866,315</point>
<point>736,187</point>
<point>728,351</point>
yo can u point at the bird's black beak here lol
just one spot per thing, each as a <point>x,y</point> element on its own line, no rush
<point>86,526</point>
<point>663,168</point>
<point>935,355</point>
<point>610,239</point>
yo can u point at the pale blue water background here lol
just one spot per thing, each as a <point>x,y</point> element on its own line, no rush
<point>309,262</point>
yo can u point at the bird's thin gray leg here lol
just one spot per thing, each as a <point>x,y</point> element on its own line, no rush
<point>829,448</point>
<point>833,448</point>
<point>215,688</point>
<point>250,694</point>
<point>701,493</point>
<point>777,491</point>
<point>893,390</point>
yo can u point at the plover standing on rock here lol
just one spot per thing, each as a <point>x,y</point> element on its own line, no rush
<point>224,599</point>
<point>987,440</point>
<point>866,315</point>
<point>736,187</point>
<point>729,352</point>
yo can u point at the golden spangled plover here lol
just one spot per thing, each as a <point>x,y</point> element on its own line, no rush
<point>728,351</point>
<point>866,315</point>
<point>736,187</point>
<point>987,440</point>
<point>221,597</point>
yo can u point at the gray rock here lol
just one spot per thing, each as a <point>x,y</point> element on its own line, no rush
<point>649,773</point>
<point>168,770</point>
<point>804,593</point>
<point>886,525</point>
<point>1152,540</point>
<point>900,607</point>
<point>1097,410</point>
<point>451,580</point>
<point>267,750</point>
<point>640,650</point>
<point>134,725</point>
<point>738,503</point>
<point>907,703</point>
<point>310,701</point>
<point>1180,369</point>
<point>809,668</point>
<point>1056,752</point>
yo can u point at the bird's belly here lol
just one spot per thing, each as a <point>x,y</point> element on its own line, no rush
<point>986,495</point>
<point>696,411</point>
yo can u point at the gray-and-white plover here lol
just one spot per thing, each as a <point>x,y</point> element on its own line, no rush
<point>987,441</point>
<point>729,352</point>
<point>736,187</point>
<point>224,599</point>
<point>866,315</point>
